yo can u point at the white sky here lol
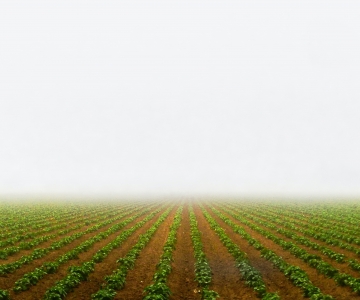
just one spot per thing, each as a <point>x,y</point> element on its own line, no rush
<point>180,97</point>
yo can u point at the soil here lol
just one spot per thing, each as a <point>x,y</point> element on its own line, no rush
<point>343,267</point>
<point>181,280</point>
<point>226,278</point>
<point>36,292</point>
<point>326,285</point>
<point>274,279</point>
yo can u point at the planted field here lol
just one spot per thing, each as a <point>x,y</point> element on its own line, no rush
<point>180,250</point>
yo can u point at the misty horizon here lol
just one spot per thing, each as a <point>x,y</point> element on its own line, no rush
<point>180,98</point>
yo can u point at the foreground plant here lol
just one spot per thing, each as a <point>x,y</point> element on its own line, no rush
<point>75,276</point>
<point>159,289</point>
<point>202,267</point>
<point>250,274</point>
<point>4,295</point>
<point>116,281</point>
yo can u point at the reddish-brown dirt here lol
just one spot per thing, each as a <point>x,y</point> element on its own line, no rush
<point>226,279</point>
<point>68,218</point>
<point>21,253</point>
<point>136,277</point>
<point>141,276</point>
<point>326,285</point>
<point>182,278</point>
<point>40,288</point>
<point>343,267</point>
<point>7,281</point>
<point>296,216</point>
<point>274,279</point>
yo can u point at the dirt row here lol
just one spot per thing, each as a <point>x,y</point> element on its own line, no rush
<point>226,278</point>
<point>295,214</point>
<point>347,253</point>
<point>64,217</point>
<point>326,285</point>
<point>8,281</point>
<point>46,244</point>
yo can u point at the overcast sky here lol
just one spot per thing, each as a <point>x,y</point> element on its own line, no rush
<point>180,97</point>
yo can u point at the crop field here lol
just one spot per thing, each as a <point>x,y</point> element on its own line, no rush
<point>180,250</point>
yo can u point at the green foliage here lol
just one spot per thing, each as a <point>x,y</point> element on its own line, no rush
<point>77,274</point>
<point>116,281</point>
<point>202,267</point>
<point>4,295</point>
<point>105,294</point>
<point>159,289</point>
<point>296,275</point>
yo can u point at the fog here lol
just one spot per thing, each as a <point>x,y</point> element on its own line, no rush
<point>163,98</point>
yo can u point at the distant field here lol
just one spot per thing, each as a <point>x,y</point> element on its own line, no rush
<point>180,250</point>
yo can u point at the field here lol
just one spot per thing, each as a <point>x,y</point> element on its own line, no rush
<point>180,250</point>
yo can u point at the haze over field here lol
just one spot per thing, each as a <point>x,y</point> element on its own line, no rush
<point>180,97</point>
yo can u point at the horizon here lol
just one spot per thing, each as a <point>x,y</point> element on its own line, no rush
<point>199,98</point>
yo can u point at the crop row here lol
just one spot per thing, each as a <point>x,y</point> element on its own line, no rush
<point>319,215</point>
<point>62,221</point>
<point>250,274</point>
<point>202,267</point>
<point>33,277</point>
<point>4,253</point>
<point>295,274</point>
<point>339,257</point>
<point>21,223</point>
<point>77,274</point>
<point>41,252</point>
<point>116,281</point>
<point>159,289</point>
<point>319,227</point>
<point>343,279</point>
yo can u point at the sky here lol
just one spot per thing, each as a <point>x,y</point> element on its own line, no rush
<point>180,97</point>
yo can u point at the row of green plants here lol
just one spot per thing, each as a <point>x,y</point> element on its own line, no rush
<point>159,289</point>
<point>5,253</point>
<point>116,281</point>
<point>86,218</point>
<point>344,213</point>
<point>330,234</point>
<point>343,279</point>
<point>249,274</point>
<point>78,274</point>
<point>23,222</point>
<point>295,274</point>
<point>324,230</point>
<point>32,278</point>
<point>339,257</point>
<point>25,216</point>
<point>41,252</point>
<point>329,210</point>
<point>202,268</point>
<point>269,222</point>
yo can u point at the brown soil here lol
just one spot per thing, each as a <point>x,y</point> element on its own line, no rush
<point>296,217</point>
<point>182,277</point>
<point>141,276</point>
<point>50,279</point>
<point>108,265</point>
<point>274,279</point>
<point>226,278</point>
<point>343,267</point>
<point>326,285</point>
<point>68,217</point>
<point>46,244</point>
